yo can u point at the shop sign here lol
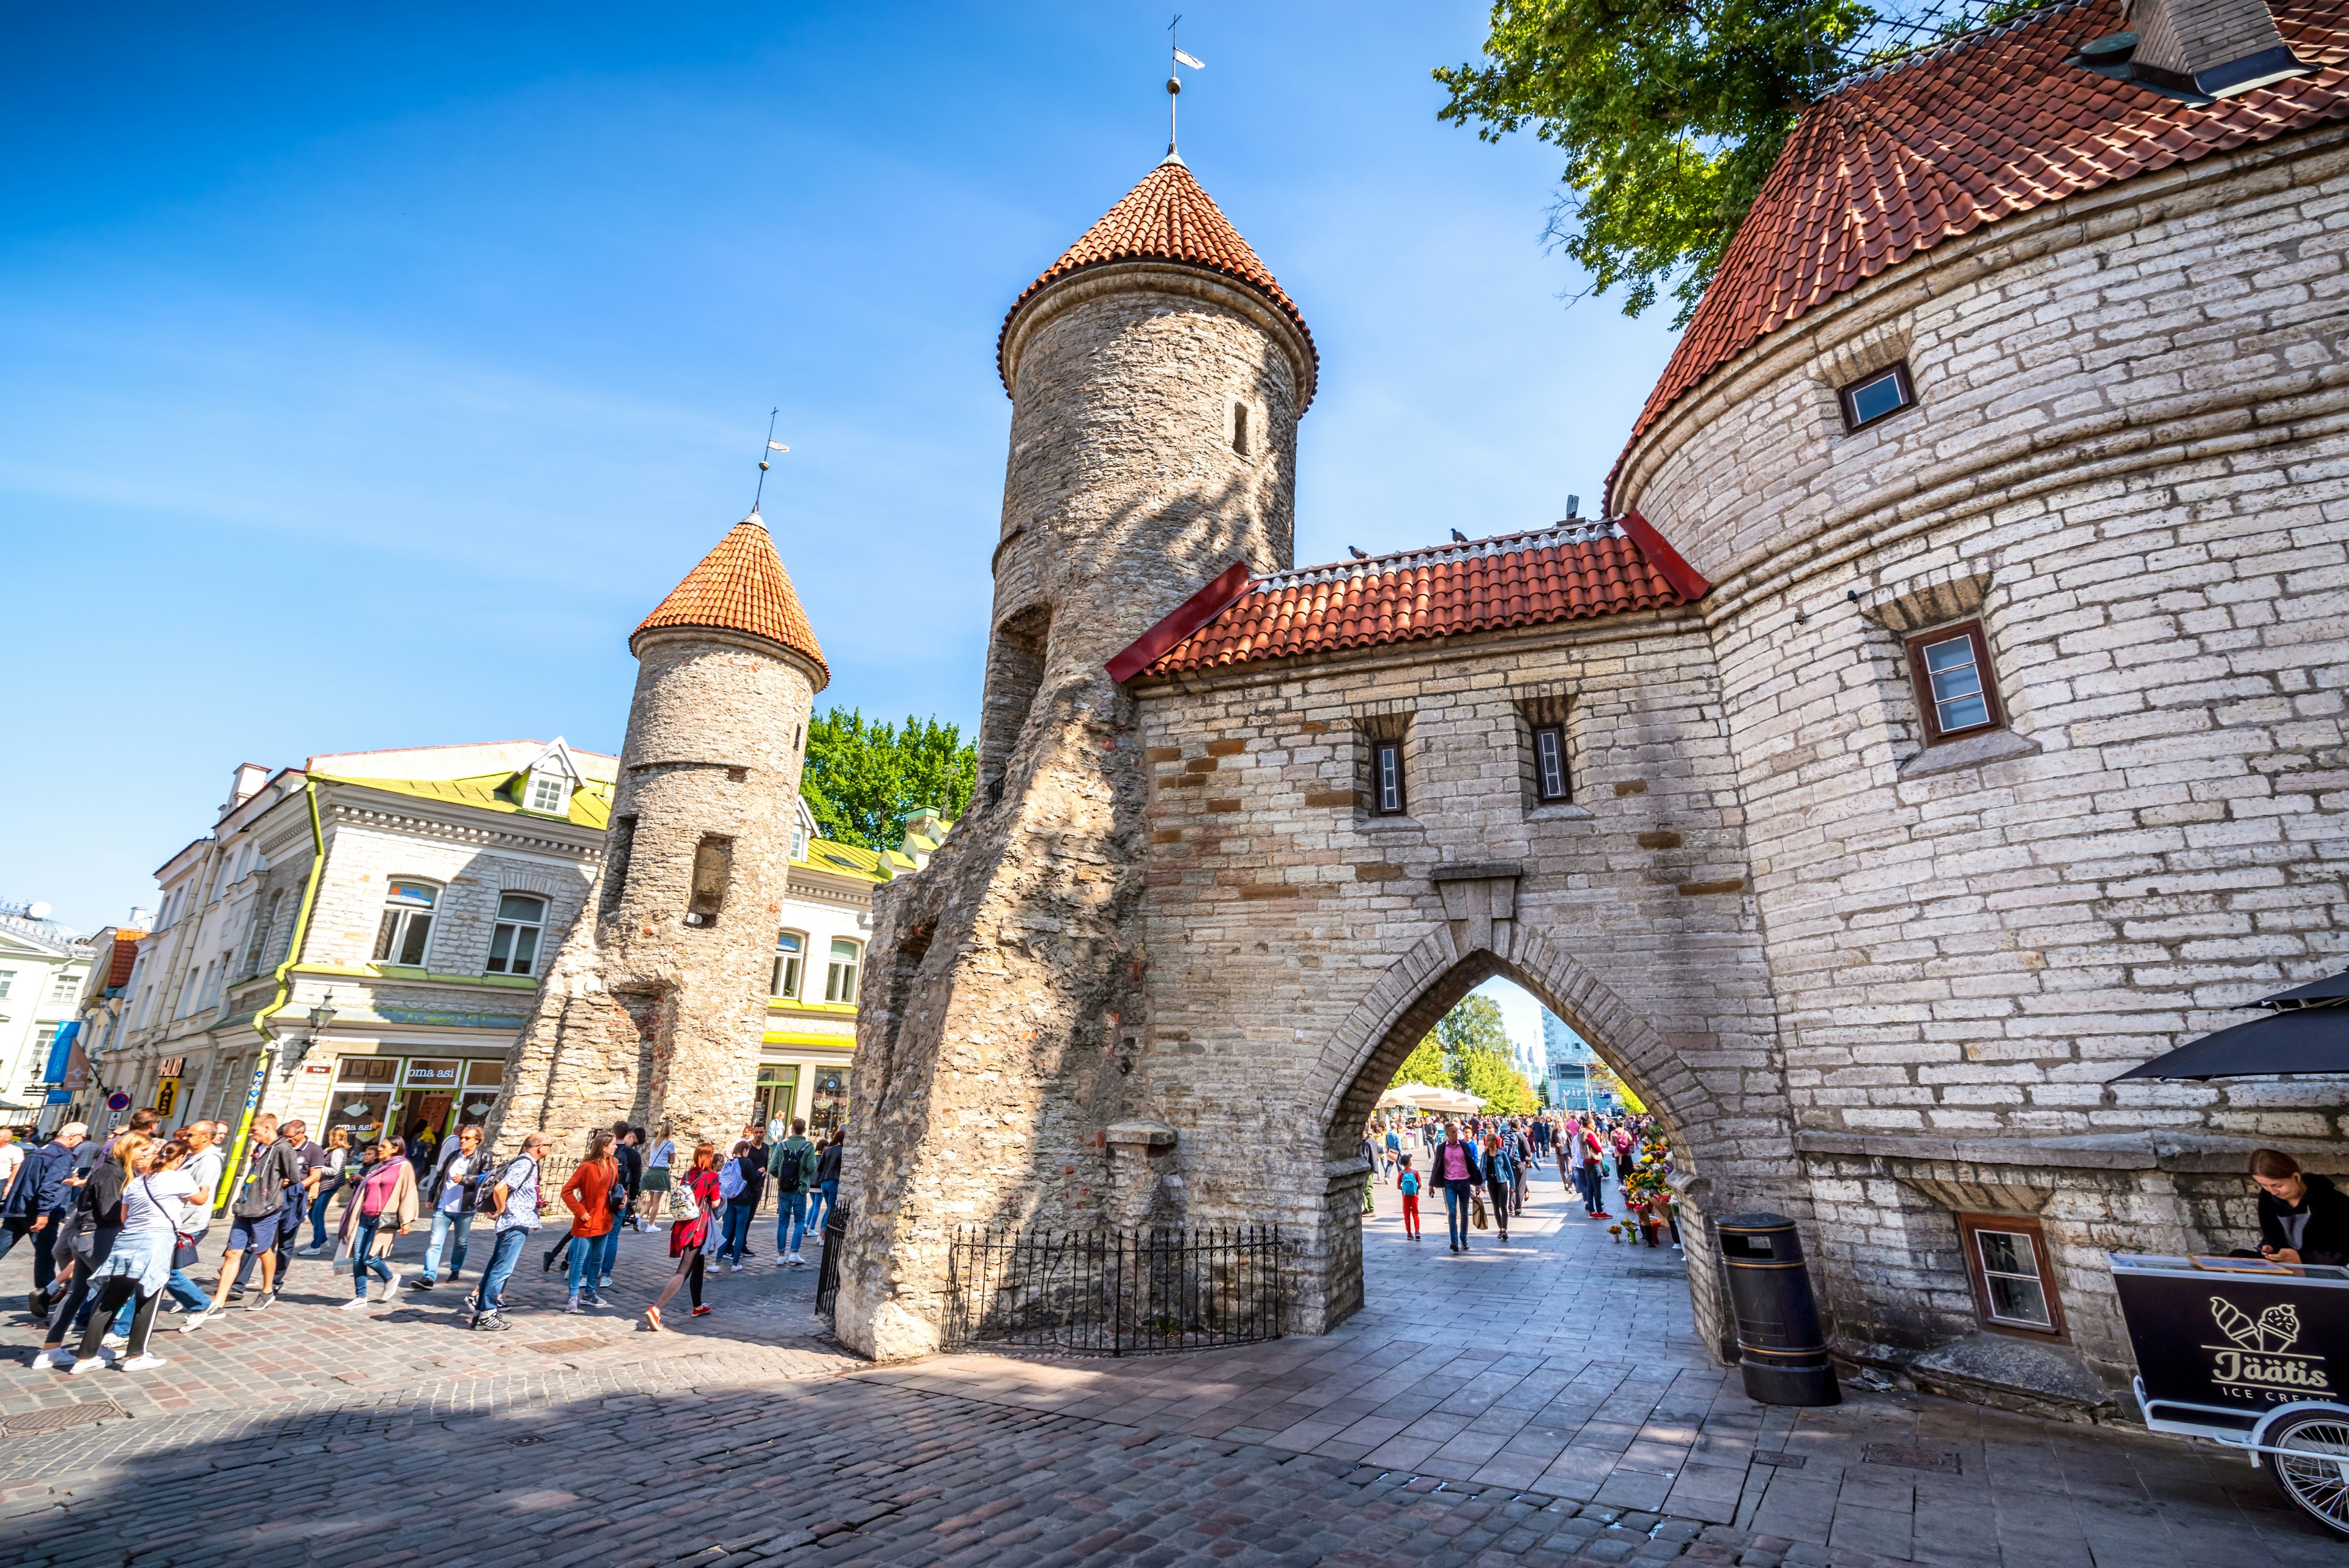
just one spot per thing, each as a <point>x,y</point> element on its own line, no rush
<point>171,1067</point>
<point>167,1095</point>
<point>2216,1340</point>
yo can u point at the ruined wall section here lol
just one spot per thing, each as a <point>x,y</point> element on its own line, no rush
<point>656,1003</point>
<point>1006,980</point>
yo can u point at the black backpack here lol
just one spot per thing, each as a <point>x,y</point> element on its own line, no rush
<point>792,1176</point>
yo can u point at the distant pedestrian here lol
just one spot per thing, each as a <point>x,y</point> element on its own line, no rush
<point>330,1180</point>
<point>630,1152</point>
<point>513,1200</point>
<point>12,1155</point>
<point>1407,1183</point>
<point>698,1193</point>
<point>741,1203</point>
<point>382,1206</point>
<point>792,1165</point>
<point>596,1199</point>
<point>657,1177</point>
<point>1500,1174</point>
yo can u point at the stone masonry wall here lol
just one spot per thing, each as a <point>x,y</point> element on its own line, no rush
<point>1299,945</point>
<point>1005,987</point>
<point>2128,461</point>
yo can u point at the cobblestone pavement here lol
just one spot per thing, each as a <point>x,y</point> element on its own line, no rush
<point>1542,1405</point>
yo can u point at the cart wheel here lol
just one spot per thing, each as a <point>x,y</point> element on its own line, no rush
<point>2314,1477</point>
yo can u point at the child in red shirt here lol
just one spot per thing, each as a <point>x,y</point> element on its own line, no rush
<point>1407,1183</point>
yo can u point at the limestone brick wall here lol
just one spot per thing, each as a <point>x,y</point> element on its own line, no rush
<point>2127,461</point>
<point>1299,945</point>
<point>1004,988</point>
<point>643,1015</point>
<point>369,844</point>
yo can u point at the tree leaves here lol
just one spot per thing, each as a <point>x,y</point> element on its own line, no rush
<point>1669,112</point>
<point>864,777</point>
<point>1469,1049</point>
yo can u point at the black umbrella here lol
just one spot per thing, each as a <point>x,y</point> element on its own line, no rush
<point>2324,992</point>
<point>2305,1035</point>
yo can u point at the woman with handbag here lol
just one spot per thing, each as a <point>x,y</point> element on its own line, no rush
<point>1500,1180</point>
<point>86,1238</point>
<point>339,1166</point>
<point>153,1198</point>
<point>378,1213</point>
<point>691,1199</point>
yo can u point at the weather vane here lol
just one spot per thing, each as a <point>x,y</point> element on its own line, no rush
<point>772,445</point>
<point>1175,77</point>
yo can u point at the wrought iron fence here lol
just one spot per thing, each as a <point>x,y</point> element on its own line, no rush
<point>1114,1293</point>
<point>827,1273</point>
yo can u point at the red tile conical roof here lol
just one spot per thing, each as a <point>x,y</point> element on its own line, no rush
<point>1991,125</point>
<point>741,587</point>
<point>1168,217</point>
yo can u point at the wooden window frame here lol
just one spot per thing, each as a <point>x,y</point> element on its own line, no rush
<point>1845,397</point>
<point>1542,791</point>
<point>1921,683</point>
<point>1970,1226</point>
<point>1382,803</point>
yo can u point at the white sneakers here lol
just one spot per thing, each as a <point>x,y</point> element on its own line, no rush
<point>392,1285</point>
<point>796,1260</point>
<point>142,1363</point>
<point>52,1356</point>
<point>356,1304</point>
<point>89,1364</point>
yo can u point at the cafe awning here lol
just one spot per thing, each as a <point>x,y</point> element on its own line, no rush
<point>2308,1032</point>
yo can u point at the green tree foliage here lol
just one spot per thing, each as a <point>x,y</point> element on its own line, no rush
<point>863,777</point>
<point>1469,1049</point>
<point>1670,113</point>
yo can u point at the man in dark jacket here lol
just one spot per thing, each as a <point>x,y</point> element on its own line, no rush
<point>38,1199</point>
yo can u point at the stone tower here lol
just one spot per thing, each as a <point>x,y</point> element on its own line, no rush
<point>1156,372</point>
<point>653,1007</point>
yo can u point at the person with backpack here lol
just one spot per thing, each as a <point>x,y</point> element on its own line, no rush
<point>792,1165</point>
<point>449,1194</point>
<point>512,1200</point>
<point>255,1216</point>
<point>1407,1183</point>
<point>691,1201</point>
<point>742,1180</point>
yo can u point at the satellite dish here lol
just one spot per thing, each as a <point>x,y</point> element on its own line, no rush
<point>38,911</point>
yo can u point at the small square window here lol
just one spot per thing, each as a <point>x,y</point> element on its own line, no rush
<point>550,792</point>
<point>2013,1283</point>
<point>1386,777</point>
<point>1549,761</point>
<point>1957,693</point>
<point>1877,396</point>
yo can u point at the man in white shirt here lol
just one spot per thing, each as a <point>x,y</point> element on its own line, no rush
<point>516,1198</point>
<point>450,1191</point>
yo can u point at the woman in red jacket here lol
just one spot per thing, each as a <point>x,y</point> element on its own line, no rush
<point>594,1220</point>
<point>685,1236</point>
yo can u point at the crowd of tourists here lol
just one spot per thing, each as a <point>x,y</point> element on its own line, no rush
<point>1482,1165</point>
<point>115,1225</point>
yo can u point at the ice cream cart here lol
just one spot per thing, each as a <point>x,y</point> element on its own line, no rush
<point>2252,1355</point>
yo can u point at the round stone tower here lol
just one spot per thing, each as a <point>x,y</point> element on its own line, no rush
<point>654,1009</point>
<point>1156,373</point>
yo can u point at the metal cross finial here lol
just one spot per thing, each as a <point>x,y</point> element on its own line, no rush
<point>772,445</point>
<point>1174,76</point>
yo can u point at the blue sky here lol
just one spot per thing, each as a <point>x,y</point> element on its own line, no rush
<point>369,375</point>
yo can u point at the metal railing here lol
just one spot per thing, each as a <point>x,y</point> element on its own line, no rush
<point>827,1273</point>
<point>1114,1293</point>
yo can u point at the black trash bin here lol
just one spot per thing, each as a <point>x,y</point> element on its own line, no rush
<point>1779,1341</point>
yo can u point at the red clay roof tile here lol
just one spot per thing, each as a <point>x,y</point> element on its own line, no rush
<point>741,586</point>
<point>1168,217</point>
<point>1995,124</point>
<point>1571,572</point>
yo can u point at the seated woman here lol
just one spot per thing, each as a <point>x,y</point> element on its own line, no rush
<point>2303,1218</point>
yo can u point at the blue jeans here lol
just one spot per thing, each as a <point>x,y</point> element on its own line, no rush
<point>318,1212</point>
<point>363,1258</point>
<point>592,1257</point>
<point>1455,1211</point>
<point>736,1240</point>
<point>791,1221</point>
<point>444,1225</point>
<point>820,1203</point>
<point>504,1255</point>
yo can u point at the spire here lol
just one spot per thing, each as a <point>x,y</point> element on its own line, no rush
<point>741,587</point>
<point>1168,217</point>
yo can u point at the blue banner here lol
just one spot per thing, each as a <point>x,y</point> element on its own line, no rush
<point>60,1052</point>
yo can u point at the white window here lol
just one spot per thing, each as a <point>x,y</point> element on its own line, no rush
<point>840,980</point>
<point>548,792</point>
<point>514,945</point>
<point>790,946</point>
<point>405,933</point>
<point>7,980</point>
<point>65,987</point>
<point>799,842</point>
<point>1386,777</point>
<point>1549,761</point>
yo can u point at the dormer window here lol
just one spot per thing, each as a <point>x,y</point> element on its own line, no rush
<point>549,792</point>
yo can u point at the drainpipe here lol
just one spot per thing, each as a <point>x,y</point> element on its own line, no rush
<point>284,977</point>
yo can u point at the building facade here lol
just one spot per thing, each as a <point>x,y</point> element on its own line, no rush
<point>44,969</point>
<point>1946,716</point>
